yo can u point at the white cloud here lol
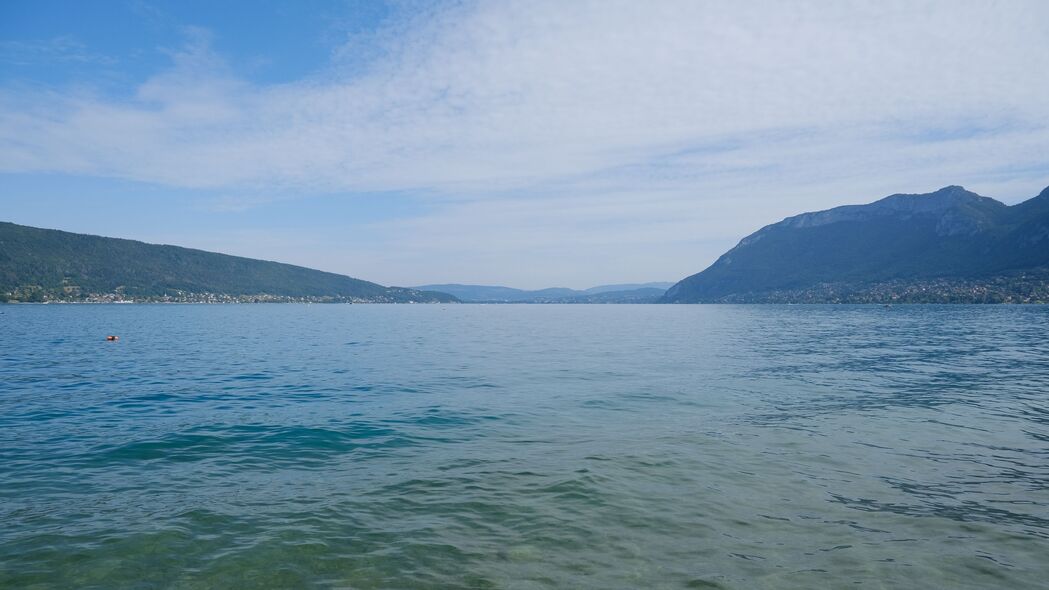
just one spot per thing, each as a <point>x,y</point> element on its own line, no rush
<point>61,49</point>
<point>557,123</point>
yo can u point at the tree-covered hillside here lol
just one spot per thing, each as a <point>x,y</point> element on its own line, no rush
<point>950,245</point>
<point>43,264</point>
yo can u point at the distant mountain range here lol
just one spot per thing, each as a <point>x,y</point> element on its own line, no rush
<point>51,265</point>
<point>948,246</point>
<point>623,293</point>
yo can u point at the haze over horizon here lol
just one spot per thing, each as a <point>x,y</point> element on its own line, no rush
<point>527,144</point>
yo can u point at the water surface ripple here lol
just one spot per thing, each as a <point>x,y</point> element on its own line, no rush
<point>443,446</point>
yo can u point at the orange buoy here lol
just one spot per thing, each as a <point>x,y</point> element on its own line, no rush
<point>112,338</point>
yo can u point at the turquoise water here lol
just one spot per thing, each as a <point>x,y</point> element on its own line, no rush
<point>470,446</point>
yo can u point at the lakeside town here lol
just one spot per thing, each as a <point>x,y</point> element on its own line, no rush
<point>40,296</point>
<point>1018,289</point>
<point>1023,288</point>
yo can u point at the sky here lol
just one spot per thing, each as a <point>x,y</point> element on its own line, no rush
<point>524,143</point>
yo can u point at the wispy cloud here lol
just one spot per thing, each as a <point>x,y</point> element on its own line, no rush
<point>664,122</point>
<point>62,49</point>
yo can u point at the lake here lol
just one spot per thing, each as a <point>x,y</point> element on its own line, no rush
<point>524,446</point>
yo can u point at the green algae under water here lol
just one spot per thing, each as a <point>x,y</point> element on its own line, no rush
<point>445,446</point>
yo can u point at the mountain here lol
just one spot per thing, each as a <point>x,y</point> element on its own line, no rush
<point>46,264</point>
<point>950,245</point>
<point>660,286</point>
<point>638,295</point>
<point>492,294</point>
<point>624,293</point>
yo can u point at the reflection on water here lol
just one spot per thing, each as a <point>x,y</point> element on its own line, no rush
<point>524,446</point>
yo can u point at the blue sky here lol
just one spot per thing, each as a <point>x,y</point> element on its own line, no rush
<point>530,144</point>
